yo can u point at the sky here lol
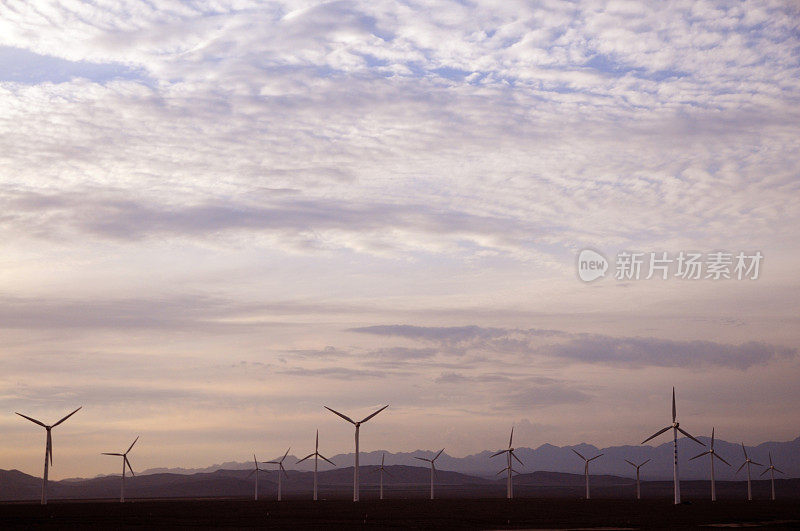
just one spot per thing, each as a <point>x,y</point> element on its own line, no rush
<point>218,216</point>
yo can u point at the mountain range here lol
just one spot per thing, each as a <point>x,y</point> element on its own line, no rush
<point>549,458</point>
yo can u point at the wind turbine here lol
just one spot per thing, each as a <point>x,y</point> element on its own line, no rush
<point>747,462</point>
<point>772,469</point>
<point>48,449</point>
<point>510,453</point>
<point>586,469</point>
<point>280,469</point>
<point>712,455</point>
<point>357,425</point>
<point>382,469</point>
<point>638,490</point>
<point>255,471</point>
<point>316,455</point>
<point>125,461</point>
<point>675,427</point>
<point>433,466</point>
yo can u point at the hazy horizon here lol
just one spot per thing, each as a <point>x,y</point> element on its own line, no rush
<point>219,216</point>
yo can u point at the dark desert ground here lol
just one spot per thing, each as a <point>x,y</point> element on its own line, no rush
<point>462,506</point>
<point>458,513</point>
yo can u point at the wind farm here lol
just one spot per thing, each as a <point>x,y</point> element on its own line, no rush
<point>411,228</point>
<point>460,495</point>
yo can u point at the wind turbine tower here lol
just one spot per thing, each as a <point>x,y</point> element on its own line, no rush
<point>748,462</point>
<point>433,466</point>
<point>280,469</point>
<point>638,490</point>
<point>48,449</point>
<point>713,455</point>
<point>772,469</point>
<point>357,424</point>
<point>316,455</point>
<point>124,463</point>
<point>586,469</point>
<point>510,469</point>
<point>675,427</point>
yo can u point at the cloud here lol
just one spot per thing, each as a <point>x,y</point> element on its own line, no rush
<point>588,348</point>
<point>655,352</point>
<point>518,390</point>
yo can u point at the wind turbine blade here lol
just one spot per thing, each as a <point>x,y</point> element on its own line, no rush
<point>770,458</point>
<point>316,443</point>
<point>644,463</point>
<point>517,458</point>
<point>656,434</point>
<point>42,424</point>
<point>125,457</point>
<point>595,457</point>
<point>284,471</point>
<point>690,436</point>
<point>721,459</point>
<point>744,450</point>
<point>326,459</point>
<point>383,455</point>
<point>764,472</point>
<point>674,412</point>
<point>776,470</point>
<point>306,457</point>
<point>629,463</point>
<point>345,417</point>
<point>712,437</point>
<point>271,462</point>
<point>252,472</point>
<point>287,453</point>
<point>107,453</point>
<point>741,467</point>
<point>505,469</point>
<point>700,455</point>
<point>387,472</point>
<point>369,417</point>
<point>437,455</point>
<point>50,447</point>
<point>65,418</point>
<point>498,453</point>
<point>579,455</point>
<point>757,464</point>
<point>512,437</point>
<point>134,442</point>
<point>421,458</point>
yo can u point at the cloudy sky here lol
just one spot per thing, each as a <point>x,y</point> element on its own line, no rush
<point>217,216</point>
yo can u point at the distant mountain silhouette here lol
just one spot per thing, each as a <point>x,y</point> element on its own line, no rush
<point>547,457</point>
<point>401,482</point>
